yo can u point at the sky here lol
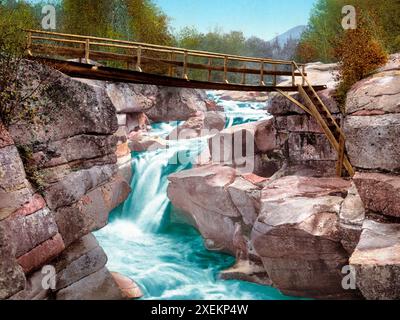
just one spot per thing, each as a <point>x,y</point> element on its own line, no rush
<point>263,18</point>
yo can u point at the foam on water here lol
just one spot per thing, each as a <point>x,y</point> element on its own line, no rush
<point>167,258</point>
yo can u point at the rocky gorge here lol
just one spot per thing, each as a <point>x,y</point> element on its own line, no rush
<point>275,205</point>
<point>63,173</point>
<point>289,222</point>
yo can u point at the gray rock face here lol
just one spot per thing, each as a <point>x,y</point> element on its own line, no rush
<point>81,259</point>
<point>91,212</point>
<point>177,104</point>
<point>68,107</point>
<point>70,155</point>
<point>130,98</point>
<point>78,148</point>
<point>297,236</point>
<point>241,146</point>
<point>14,188</point>
<point>33,290</point>
<point>279,105</point>
<point>30,231</point>
<point>379,94</point>
<point>77,184</point>
<point>379,192</point>
<point>372,142</point>
<point>12,278</point>
<point>377,261</point>
<point>97,286</point>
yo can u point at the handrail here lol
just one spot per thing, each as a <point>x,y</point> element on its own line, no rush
<point>69,45</point>
<point>176,49</point>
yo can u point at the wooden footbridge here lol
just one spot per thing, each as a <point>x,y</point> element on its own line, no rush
<point>133,62</point>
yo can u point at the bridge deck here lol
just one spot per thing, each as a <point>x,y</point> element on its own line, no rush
<point>88,71</point>
<point>127,61</point>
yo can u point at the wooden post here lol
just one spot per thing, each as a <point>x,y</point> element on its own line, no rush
<point>293,77</point>
<point>185,67</point>
<point>209,69</point>
<point>274,81</point>
<point>29,43</point>
<point>244,75</point>
<point>339,165</point>
<point>139,59</point>
<point>304,71</point>
<point>226,69</point>
<point>262,74</point>
<point>170,68</point>
<point>129,63</point>
<point>87,51</point>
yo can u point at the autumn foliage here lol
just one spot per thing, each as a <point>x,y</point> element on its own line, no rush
<point>359,53</point>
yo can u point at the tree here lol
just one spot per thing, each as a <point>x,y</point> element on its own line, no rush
<point>14,16</point>
<point>87,17</point>
<point>147,23</point>
<point>359,54</point>
<point>324,27</point>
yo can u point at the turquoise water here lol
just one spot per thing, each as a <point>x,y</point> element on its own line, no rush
<point>166,257</point>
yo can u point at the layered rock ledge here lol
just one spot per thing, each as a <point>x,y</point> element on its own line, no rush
<point>65,170</point>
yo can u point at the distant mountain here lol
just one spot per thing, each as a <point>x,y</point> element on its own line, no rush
<point>294,33</point>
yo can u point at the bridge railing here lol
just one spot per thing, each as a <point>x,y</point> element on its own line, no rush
<point>164,60</point>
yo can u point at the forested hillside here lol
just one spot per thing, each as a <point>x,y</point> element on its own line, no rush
<point>141,20</point>
<point>325,32</point>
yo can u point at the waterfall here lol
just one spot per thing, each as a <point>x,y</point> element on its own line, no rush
<point>168,258</point>
<point>147,205</point>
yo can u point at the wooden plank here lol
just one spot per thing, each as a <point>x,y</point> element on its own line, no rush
<point>87,50</point>
<point>226,69</point>
<point>298,103</point>
<point>339,165</point>
<point>319,119</point>
<point>209,69</point>
<point>76,69</point>
<point>319,100</point>
<point>327,130</point>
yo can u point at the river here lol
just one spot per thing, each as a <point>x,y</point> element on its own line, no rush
<point>165,256</point>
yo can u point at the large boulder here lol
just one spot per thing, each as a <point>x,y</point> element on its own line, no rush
<point>372,142</point>
<point>378,94</point>
<point>202,195</point>
<point>297,236</point>
<point>379,192</point>
<point>66,107</point>
<point>373,121</point>
<point>177,104</point>
<point>79,260</point>
<point>130,98</point>
<point>352,216</point>
<point>97,286</point>
<point>376,261</point>
<point>240,145</point>
<point>201,125</point>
